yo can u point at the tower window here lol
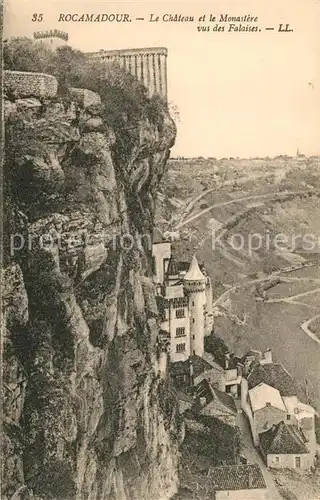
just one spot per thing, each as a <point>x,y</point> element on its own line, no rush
<point>298,462</point>
<point>180,313</point>
<point>193,303</point>
<point>193,320</point>
<point>181,347</point>
<point>180,331</point>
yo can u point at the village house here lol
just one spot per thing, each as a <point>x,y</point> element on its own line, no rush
<point>283,446</point>
<point>211,402</point>
<point>303,416</point>
<point>265,409</point>
<point>238,482</point>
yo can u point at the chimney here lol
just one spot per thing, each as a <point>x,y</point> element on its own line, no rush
<point>267,357</point>
<point>227,359</point>
<point>203,402</point>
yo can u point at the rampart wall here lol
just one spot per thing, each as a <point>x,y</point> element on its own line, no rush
<point>26,84</point>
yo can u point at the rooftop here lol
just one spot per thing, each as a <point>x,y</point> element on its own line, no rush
<point>282,439</point>
<point>237,477</point>
<point>183,367</point>
<point>274,375</point>
<point>263,394</point>
<point>173,269</point>
<point>205,389</point>
<point>157,237</point>
<point>194,273</point>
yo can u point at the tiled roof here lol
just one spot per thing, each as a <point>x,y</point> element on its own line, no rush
<point>206,390</point>
<point>282,439</point>
<point>275,375</point>
<point>237,477</point>
<point>225,399</point>
<point>200,365</point>
<point>182,367</point>
<point>173,269</point>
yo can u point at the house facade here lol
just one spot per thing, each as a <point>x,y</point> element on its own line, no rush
<point>283,446</point>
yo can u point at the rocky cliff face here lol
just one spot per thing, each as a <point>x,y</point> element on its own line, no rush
<point>86,413</point>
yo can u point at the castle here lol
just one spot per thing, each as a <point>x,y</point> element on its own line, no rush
<point>148,65</point>
<point>184,299</point>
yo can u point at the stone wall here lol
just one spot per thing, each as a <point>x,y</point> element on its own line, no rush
<point>22,84</point>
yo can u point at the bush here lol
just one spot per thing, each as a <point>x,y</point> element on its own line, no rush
<point>55,481</point>
<point>217,347</point>
<point>124,97</point>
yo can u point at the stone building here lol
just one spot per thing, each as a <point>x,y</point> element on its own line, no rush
<point>148,65</point>
<point>52,38</point>
<point>182,298</point>
<point>283,446</point>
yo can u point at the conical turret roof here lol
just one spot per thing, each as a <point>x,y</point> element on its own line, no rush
<point>194,273</point>
<point>172,267</point>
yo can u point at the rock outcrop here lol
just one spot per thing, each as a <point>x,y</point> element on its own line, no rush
<point>86,413</point>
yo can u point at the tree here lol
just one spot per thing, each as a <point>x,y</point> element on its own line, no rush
<point>217,347</point>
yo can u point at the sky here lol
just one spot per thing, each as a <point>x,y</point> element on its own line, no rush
<point>238,94</point>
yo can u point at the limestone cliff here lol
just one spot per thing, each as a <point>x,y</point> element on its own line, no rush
<point>86,413</point>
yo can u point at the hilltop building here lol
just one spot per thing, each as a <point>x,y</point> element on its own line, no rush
<point>148,65</point>
<point>184,299</point>
<point>52,38</point>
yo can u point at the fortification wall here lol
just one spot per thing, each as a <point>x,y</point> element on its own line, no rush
<point>26,84</point>
<point>149,65</point>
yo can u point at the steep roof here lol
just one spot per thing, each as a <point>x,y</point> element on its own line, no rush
<point>205,389</point>
<point>275,375</point>
<point>183,367</point>
<point>282,439</point>
<point>199,364</point>
<point>157,237</point>
<point>173,269</point>
<point>194,273</point>
<point>263,394</point>
<point>237,477</point>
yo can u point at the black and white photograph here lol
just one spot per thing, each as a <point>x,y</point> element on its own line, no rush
<point>160,255</point>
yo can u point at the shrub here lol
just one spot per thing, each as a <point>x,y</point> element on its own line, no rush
<point>55,481</point>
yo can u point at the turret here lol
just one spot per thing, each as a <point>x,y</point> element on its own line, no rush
<point>195,286</point>
<point>52,38</point>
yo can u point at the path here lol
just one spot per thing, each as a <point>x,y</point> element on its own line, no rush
<point>306,329</point>
<point>253,456</point>
<point>291,299</point>
<point>243,198</point>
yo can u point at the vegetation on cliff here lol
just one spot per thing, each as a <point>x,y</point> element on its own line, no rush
<point>83,400</point>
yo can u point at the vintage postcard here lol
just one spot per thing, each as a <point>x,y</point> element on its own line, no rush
<point>161,243</point>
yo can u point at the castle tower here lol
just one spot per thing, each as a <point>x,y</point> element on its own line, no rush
<point>195,288</point>
<point>209,306</point>
<point>52,38</point>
